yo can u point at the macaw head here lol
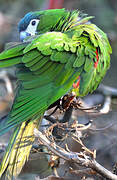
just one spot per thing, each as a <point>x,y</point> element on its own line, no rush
<point>39,22</point>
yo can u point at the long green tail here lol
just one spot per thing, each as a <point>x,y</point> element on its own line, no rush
<point>18,149</point>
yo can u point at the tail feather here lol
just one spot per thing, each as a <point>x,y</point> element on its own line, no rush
<point>18,149</point>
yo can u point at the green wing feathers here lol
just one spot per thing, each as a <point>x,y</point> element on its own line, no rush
<point>12,56</point>
<point>47,67</point>
<point>50,64</point>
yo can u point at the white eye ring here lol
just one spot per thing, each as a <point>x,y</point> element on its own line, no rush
<point>32,27</point>
<point>34,22</point>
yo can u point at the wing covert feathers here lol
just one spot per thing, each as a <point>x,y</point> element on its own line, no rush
<point>50,63</point>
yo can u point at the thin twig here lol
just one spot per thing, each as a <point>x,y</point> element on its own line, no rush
<point>79,158</point>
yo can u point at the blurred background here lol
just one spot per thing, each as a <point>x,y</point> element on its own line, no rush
<point>105,12</point>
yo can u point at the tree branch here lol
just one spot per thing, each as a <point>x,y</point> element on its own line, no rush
<point>79,158</point>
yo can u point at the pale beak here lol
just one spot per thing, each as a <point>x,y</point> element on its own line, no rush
<point>23,35</point>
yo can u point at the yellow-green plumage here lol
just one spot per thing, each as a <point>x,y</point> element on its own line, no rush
<point>65,47</point>
<point>18,150</point>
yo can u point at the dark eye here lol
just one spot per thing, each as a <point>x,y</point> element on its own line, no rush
<point>33,23</point>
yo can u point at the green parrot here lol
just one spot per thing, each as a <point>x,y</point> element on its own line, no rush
<point>61,51</point>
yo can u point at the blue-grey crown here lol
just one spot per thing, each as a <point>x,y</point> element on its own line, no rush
<point>24,22</point>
